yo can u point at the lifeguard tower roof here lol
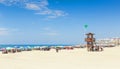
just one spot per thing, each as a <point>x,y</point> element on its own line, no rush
<point>89,34</point>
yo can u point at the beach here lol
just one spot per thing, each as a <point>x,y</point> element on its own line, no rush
<point>64,59</point>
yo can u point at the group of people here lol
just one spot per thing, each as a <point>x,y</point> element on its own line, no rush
<point>5,51</point>
<point>95,48</point>
<point>14,50</point>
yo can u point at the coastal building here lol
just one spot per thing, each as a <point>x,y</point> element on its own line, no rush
<point>108,42</point>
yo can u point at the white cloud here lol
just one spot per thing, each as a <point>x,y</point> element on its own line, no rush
<point>45,12</point>
<point>40,6</point>
<point>49,31</point>
<point>6,31</point>
<point>43,3</point>
<point>57,13</point>
<point>13,2</point>
<point>52,13</point>
<point>32,6</point>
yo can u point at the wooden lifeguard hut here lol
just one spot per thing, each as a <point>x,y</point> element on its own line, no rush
<point>91,44</point>
<point>90,41</point>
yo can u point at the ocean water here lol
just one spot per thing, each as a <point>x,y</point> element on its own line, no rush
<point>33,45</point>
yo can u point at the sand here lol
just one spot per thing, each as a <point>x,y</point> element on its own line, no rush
<point>65,59</point>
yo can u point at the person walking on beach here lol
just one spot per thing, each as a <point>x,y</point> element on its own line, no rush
<point>57,50</point>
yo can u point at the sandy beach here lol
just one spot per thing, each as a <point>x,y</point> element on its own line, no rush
<point>65,59</point>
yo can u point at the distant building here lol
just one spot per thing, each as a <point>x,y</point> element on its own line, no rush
<point>108,41</point>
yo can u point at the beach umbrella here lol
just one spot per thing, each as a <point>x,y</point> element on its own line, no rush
<point>43,46</point>
<point>17,46</point>
<point>25,47</point>
<point>28,47</point>
<point>2,49</point>
<point>59,46</point>
<point>36,47</point>
<point>21,47</point>
<point>9,48</point>
<point>18,49</point>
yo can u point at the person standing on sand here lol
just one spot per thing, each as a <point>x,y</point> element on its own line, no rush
<point>57,50</point>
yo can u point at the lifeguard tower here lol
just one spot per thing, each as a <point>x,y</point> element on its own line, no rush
<point>91,45</point>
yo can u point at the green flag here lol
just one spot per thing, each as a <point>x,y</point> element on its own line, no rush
<point>85,26</point>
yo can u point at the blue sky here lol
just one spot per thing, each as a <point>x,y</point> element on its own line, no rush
<point>57,21</point>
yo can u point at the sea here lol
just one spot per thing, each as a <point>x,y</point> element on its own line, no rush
<point>32,45</point>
